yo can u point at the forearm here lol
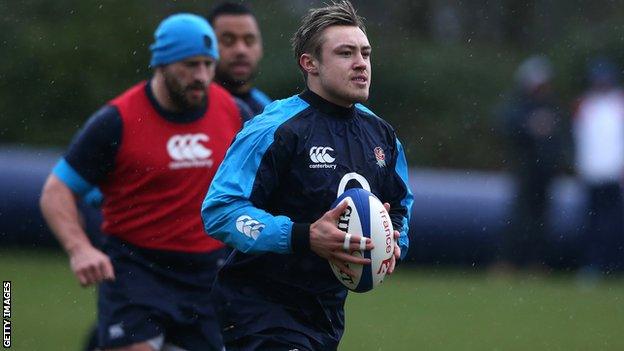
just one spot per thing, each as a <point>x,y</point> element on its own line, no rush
<point>236,222</point>
<point>59,209</point>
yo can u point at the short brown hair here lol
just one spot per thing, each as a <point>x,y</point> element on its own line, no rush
<point>308,38</point>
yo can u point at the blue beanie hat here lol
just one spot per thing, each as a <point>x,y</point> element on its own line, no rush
<point>181,36</point>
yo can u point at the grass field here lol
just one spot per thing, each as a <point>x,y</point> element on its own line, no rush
<point>423,309</point>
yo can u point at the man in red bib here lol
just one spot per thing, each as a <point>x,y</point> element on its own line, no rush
<point>153,152</point>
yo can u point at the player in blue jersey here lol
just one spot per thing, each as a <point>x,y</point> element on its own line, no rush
<point>272,194</point>
<point>240,47</point>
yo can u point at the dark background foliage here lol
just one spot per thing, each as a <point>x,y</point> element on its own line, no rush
<point>439,67</point>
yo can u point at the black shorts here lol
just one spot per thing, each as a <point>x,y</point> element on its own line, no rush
<point>262,316</point>
<point>275,339</point>
<point>159,293</point>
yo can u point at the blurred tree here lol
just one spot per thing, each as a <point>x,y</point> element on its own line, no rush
<point>439,66</point>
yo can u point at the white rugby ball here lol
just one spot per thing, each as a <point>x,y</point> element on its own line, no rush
<point>366,216</point>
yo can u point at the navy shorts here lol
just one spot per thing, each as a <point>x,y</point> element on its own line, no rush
<point>275,339</point>
<point>263,316</point>
<point>159,293</point>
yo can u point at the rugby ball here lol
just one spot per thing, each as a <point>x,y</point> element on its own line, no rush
<point>366,215</point>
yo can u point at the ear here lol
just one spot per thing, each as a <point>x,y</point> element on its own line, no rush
<point>309,64</point>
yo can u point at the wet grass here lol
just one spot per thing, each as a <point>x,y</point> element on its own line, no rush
<point>50,311</point>
<point>452,310</point>
<point>417,309</point>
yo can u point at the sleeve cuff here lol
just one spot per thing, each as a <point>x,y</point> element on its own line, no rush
<point>68,175</point>
<point>300,237</point>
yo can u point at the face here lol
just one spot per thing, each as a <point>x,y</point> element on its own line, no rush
<point>186,81</point>
<point>344,69</point>
<point>240,48</point>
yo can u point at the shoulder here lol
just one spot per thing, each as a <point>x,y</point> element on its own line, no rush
<point>365,110</point>
<point>260,97</point>
<point>372,117</point>
<point>128,96</point>
<point>268,128</point>
<point>386,132</point>
<point>271,125</point>
<point>105,119</point>
<point>244,109</point>
<point>276,114</point>
<point>103,126</point>
<point>93,149</point>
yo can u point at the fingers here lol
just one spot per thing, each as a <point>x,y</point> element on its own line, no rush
<point>353,242</point>
<point>392,265</point>
<point>93,275</point>
<point>94,272</point>
<point>393,259</point>
<point>82,278</point>
<point>397,248</point>
<point>387,206</point>
<point>344,268</point>
<point>103,274</point>
<point>346,257</point>
<point>359,242</point>
<point>337,211</point>
<point>396,254</point>
<point>347,241</point>
<point>363,242</point>
<point>87,275</point>
<point>106,270</point>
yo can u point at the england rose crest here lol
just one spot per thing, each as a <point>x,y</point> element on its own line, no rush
<point>380,156</point>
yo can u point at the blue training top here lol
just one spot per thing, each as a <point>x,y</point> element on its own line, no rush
<point>283,172</point>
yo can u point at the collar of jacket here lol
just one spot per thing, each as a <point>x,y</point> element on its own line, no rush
<point>327,107</point>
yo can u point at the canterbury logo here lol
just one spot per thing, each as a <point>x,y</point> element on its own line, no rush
<point>320,154</point>
<point>188,147</point>
<point>187,151</point>
<point>249,226</point>
<point>116,331</point>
